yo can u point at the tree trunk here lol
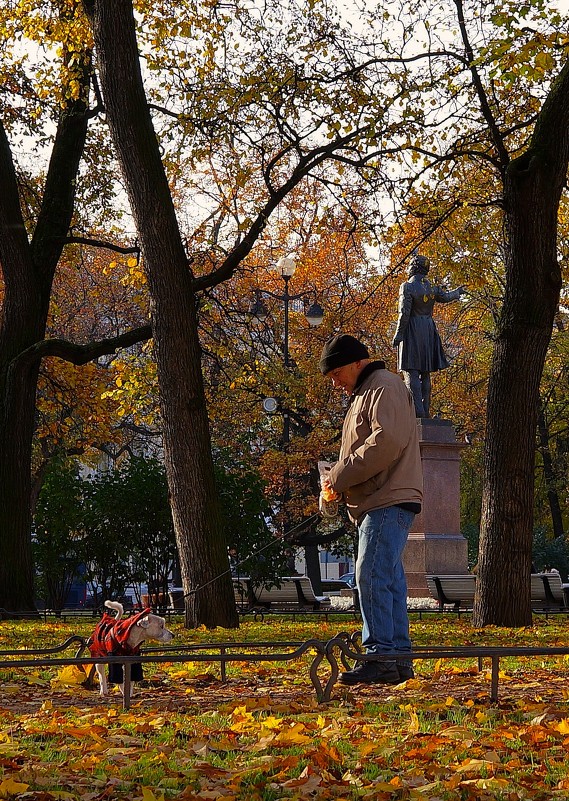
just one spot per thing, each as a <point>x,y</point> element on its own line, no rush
<point>504,564</point>
<point>532,190</point>
<point>550,477</point>
<point>16,431</point>
<point>313,571</point>
<point>28,269</point>
<point>201,542</point>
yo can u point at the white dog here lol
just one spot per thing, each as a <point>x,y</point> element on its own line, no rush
<point>114,636</point>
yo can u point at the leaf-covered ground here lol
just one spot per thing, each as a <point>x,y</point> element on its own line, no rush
<point>263,735</point>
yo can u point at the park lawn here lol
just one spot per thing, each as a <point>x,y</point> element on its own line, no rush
<point>263,735</point>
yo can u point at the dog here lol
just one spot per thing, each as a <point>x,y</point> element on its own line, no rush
<point>114,636</point>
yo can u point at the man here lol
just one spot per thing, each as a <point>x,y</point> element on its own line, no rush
<point>379,476</point>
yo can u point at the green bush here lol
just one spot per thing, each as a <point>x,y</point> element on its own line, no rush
<point>56,533</point>
<point>550,552</point>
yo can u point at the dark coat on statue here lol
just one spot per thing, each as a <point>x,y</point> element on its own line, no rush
<point>420,346</point>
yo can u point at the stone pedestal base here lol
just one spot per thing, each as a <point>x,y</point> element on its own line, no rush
<point>435,543</point>
<point>432,553</point>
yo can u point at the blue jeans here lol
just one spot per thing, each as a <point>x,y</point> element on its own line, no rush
<point>381,581</point>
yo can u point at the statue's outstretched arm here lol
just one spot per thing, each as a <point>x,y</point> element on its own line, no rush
<point>442,296</point>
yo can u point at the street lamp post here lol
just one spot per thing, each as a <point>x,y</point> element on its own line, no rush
<point>286,267</point>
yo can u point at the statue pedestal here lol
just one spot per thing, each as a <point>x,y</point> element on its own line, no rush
<point>435,544</point>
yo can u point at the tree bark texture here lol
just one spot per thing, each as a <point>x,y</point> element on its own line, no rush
<point>550,477</point>
<point>28,269</point>
<point>532,190</point>
<point>201,542</point>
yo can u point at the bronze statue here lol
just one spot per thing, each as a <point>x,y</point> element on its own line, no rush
<point>420,347</point>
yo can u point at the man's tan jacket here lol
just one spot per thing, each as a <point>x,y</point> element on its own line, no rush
<point>380,461</point>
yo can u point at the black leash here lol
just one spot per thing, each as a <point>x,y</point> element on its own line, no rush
<point>305,523</point>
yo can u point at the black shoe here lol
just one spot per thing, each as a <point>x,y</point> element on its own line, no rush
<point>372,673</point>
<point>405,672</point>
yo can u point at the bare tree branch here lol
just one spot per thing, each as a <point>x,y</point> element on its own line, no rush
<point>306,163</point>
<point>99,243</point>
<point>79,354</point>
<point>497,137</point>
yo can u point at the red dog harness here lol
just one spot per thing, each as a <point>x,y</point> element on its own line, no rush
<point>111,635</point>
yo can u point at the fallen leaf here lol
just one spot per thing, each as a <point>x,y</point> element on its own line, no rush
<point>10,787</point>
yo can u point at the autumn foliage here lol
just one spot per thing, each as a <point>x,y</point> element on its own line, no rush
<point>271,133</point>
<point>262,734</point>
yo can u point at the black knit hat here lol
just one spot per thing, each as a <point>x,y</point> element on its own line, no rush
<point>340,350</point>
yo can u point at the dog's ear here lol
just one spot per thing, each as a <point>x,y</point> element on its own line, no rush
<point>143,622</point>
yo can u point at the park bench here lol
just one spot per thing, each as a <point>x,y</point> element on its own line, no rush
<point>453,590</point>
<point>547,591</point>
<point>293,594</point>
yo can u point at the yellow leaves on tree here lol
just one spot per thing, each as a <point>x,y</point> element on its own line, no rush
<point>63,34</point>
<point>80,406</point>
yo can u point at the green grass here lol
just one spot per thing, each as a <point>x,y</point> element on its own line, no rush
<point>264,736</point>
